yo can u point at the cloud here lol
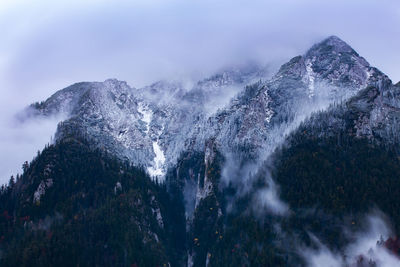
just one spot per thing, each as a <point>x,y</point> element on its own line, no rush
<point>267,199</point>
<point>21,139</point>
<point>47,45</point>
<point>244,174</point>
<point>321,256</point>
<point>365,247</point>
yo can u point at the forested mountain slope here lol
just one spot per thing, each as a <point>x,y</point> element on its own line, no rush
<point>290,167</point>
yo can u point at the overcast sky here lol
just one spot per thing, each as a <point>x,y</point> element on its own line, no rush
<point>48,45</point>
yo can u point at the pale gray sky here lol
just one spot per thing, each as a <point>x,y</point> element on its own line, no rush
<point>47,45</point>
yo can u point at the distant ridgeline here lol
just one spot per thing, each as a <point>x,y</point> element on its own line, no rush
<point>170,176</point>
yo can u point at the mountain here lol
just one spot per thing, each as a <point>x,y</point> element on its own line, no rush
<point>241,168</point>
<point>135,124</point>
<point>145,126</point>
<point>329,72</point>
<point>259,119</point>
<point>338,166</point>
<point>64,205</point>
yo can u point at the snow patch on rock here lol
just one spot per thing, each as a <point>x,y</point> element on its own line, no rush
<point>117,187</point>
<point>310,76</point>
<point>157,171</point>
<point>41,190</point>
<point>158,215</point>
<point>147,115</point>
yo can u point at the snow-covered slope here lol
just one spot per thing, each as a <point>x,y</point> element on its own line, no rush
<point>265,112</point>
<point>372,114</point>
<point>148,126</point>
<point>237,108</point>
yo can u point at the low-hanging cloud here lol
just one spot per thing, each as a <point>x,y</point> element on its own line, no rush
<point>244,174</point>
<point>366,249</point>
<point>267,199</point>
<point>20,139</point>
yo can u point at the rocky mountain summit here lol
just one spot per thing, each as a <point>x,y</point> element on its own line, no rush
<point>147,126</point>
<point>152,126</point>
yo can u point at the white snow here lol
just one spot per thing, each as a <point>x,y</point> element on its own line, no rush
<point>157,170</point>
<point>147,115</point>
<point>369,73</point>
<point>159,218</point>
<point>311,79</point>
<point>203,192</point>
<point>269,112</point>
<point>41,190</point>
<point>117,187</point>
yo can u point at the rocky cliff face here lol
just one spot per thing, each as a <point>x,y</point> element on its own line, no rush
<point>372,114</point>
<point>265,112</point>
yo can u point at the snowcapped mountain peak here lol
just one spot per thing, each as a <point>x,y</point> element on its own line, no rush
<point>337,62</point>
<point>330,67</point>
<point>112,82</point>
<point>148,126</point>
<point>332,44</point>
<point>260,117</point>
<point>240,106</point>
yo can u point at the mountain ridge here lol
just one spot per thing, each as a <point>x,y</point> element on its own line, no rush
<point>317,78</point>
<point>175,176</point>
